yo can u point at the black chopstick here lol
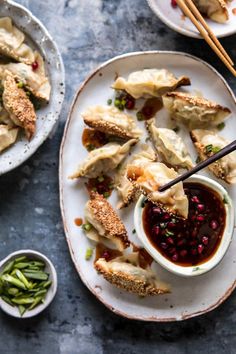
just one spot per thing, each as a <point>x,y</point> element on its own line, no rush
<point>225,151</point>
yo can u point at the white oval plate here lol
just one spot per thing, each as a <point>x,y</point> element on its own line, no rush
<point>47,116</point>
<point>189,297</point>
<point>173,17</point>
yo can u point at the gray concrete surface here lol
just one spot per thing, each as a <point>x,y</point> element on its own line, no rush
<point>89,32</point>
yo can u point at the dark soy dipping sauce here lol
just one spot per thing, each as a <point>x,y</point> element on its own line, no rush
<point>103,185</point>
<point>93,139</point>
<point>191,241</point>
<point>150,108</point>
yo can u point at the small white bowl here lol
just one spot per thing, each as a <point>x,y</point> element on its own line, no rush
<point>190,271</point>
<point>49,268</point>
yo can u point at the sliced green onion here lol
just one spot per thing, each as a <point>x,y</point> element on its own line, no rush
<point>88,254</point>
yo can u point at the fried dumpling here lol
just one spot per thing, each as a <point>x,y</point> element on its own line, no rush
<point>150,176</point>
<point>216,10</point>
<point>127,191</point>
<point>150,82</point>
<point>111,120</point>
<point>105,222</point>
<point>8,136</point>
<point>12,42</point>
<point>18,105</point>
<point>35,80</point>
<point>104,159</point>
<point>195,112</point>
<point>207,143</point>
<point>5,118</point>
<point>170,146</point>
<point>126,273</point>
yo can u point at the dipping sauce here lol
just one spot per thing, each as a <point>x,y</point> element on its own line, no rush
<point>150,108</point>
<point>103,251</point>
<point>93,139</point>
<point>78,221</point>
<point>103,185</point>
<point>192,241</point>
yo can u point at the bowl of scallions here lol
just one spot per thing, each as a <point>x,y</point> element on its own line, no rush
<point>28,283</point>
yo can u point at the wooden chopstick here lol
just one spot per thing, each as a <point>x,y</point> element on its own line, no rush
<point>199,17</point>
<point>186,10</point>
<point>225,151</point>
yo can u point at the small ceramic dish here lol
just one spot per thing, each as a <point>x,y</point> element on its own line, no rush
<point>190,271</point>
<point>174,18</point>
<point>13,311</point>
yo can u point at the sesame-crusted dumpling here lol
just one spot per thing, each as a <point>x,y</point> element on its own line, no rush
<point>150,83</point>
<point>126,273</point>
<point>150,176</point>
<point>104,159</point>
<point>170,146</point>
<point>18,105</point>
<point>195,112</point>
<point>105,222</point>
<point>207,143</point>
<point>112,121</point>
<point>35,80</point>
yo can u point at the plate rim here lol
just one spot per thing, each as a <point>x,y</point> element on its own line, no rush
<point>44,137</point>
<point>176,28</point>
<point>62,209</point>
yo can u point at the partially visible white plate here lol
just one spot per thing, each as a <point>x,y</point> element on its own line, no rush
<point>189,297</point>
<point>47,116</point>
<point>173,17</point>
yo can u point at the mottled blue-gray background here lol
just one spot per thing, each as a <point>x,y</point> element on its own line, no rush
<point>89,32</point>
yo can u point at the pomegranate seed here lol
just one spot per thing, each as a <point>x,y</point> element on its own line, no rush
<point>174,3</point>
<point>194,251</point>
<point>183,253</point>
<point>200,218</point>
<point>200,248</point>
<point>156,210</point>
<point>106,255</point>
<point>195,199</point>
<point>175,257</point>
<point>214,224</point>
<point>200,207</point>
<point>129,104</point>
<point>193,217</point>
<point>194,233</point>
<point>181,242</point>
<point>164,245</point>
<point>172,250</point>
<point>35,65</point>
<point>205,240</point>
<point>171,225</point>
<point>170,240</point>
<point>193,243</point>
<point>166,216</point>
<point>156,230</point>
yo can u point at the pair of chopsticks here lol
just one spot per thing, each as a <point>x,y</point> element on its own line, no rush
<point>190,10</point>
<point>223,152</point>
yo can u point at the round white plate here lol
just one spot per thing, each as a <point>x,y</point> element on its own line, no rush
<point>38,36</point>
<point>189,297</point>
<point>173,17</point>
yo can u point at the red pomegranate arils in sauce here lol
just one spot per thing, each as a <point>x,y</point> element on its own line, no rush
<point>191,241</point>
